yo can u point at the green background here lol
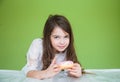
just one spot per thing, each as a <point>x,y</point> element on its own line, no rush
<point>95,23</point>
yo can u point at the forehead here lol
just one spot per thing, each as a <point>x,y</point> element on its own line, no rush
<point>59,31</point>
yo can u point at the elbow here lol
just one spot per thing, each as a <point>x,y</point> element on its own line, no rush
<point>34,74</point>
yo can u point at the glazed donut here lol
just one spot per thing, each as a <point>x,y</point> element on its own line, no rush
<point>66,64</point>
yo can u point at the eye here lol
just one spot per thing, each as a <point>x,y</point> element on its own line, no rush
<point>56,37</point>
<point>67,36</point>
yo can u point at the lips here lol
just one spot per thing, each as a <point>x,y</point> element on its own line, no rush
<point>61,47</point>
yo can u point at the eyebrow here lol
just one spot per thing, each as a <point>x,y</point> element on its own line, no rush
<point>59,35</point>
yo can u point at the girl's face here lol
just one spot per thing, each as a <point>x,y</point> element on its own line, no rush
<point>59,39</point>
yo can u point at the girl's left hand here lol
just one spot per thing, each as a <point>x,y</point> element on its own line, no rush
<point>75,71</point>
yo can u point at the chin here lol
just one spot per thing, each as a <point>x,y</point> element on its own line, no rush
<point>61,50</point>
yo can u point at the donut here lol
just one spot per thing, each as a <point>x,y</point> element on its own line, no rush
<point>66,64</point>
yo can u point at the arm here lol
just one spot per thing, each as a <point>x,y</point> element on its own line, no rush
<point>51,71</point>
<point>36,74</point>
<point>34,56</point>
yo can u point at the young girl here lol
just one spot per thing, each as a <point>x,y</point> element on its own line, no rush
<point>45,55</point>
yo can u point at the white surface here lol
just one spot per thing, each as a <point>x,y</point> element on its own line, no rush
<point>97,75</point>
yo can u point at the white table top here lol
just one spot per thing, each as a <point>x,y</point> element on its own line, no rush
<point>97,75</point>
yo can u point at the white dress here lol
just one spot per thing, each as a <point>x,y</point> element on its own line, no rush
<point>34,56</point>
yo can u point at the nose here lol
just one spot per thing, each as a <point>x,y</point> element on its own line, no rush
<point>62,41</point>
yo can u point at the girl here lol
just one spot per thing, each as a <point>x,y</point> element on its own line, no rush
<point>44,55</point>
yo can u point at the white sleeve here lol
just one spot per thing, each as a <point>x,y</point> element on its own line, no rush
<point>34,55</point>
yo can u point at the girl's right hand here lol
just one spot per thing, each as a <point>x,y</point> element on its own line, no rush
<point>52,70</point>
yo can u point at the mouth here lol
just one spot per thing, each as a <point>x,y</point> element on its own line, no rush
<point>61,47</point>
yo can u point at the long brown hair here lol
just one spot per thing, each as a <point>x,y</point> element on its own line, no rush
<point>48,52</point>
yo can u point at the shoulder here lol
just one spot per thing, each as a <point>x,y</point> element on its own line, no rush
<point>35,48</point>
<point>37,41</point>
<point>36,45</point>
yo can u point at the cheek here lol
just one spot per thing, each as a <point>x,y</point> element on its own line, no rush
<point>54,42</point>
<point>68,41</point>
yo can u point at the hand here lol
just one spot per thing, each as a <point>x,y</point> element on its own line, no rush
<point>52,70</point>
<point>75,71</point>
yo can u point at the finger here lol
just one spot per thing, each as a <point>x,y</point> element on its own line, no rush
<point>75,71</point>
<point>57,70</point>
<point>53,61</point>
<point>72,68</point>
<point>75,74</point>
<point>72,73</point>
<point>76,65</point>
